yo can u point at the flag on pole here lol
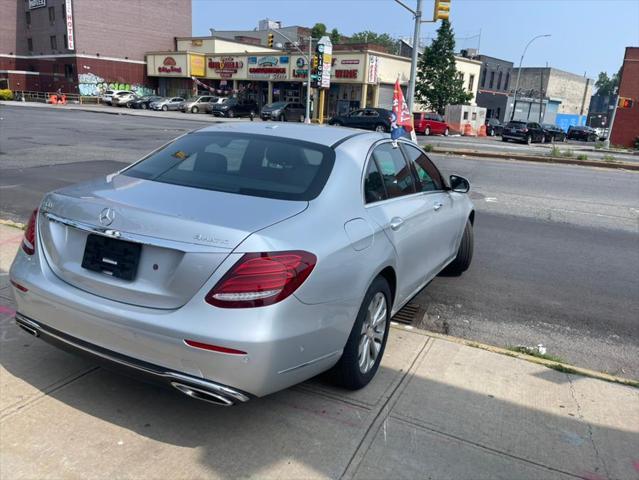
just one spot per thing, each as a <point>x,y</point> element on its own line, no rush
<point>401,120</point>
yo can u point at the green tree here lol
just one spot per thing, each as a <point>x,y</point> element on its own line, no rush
<point>383,39</point>
<point>438,82</point>
<point>335,36</point>
<point>318,30</point>
<point>606,85</point>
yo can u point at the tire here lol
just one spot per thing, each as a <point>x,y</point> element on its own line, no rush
<point>145,106</point>
<point>504,139</point>
<point>165,108</point>
<point>528,140</point>
<point>446,133</point>
<point>230,114</point>
<point>464,254</point>
<point>492,132</point>
<point>338,124</point>
<point>348,373</point>
<point>380,128</point>
<point>427,131</point>
<point>195,110</point>
<point>281,118</point>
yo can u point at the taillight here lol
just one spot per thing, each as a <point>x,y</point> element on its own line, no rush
<point>29,239</point>
<point>260,279</point>
<point>525,130</point>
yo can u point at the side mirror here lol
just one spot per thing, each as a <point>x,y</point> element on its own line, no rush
<point>459,184</point>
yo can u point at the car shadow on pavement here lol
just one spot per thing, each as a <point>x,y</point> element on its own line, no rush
<point>422,422</point>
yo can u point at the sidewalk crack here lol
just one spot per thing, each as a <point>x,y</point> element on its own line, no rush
<point>573,394</point>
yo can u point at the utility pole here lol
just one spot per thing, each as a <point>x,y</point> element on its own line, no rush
<point>612,119</point>
<point>541,92</point>
<point>415,53</point>
<point>308,58</point>
<point>512,114</point>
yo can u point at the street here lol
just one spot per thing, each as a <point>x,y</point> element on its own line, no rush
<point>556,247</point>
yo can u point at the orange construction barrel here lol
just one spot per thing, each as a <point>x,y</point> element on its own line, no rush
<point>53,99</point>
<point>468,130</point>
<point>482,131</point>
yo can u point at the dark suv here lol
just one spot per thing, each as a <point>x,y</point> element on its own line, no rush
<point>586,134</point>
<point>493,127</point>
<point>553,133</point>
<point>523,132</point>
<point>235,107</point>
<point>378,119</point>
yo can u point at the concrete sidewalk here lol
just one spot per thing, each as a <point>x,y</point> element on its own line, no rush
<point>436,409</point>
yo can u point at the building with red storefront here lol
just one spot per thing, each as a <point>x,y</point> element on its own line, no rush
<point>85,46</point>
<point>625,130</point>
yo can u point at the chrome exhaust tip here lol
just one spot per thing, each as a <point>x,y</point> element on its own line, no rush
<point>204,395</point>
<point>27,326</point>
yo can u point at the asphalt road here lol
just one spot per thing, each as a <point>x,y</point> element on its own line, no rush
<point>556,246</point>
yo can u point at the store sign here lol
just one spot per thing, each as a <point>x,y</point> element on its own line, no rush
<point>169,66</point>
<point>325,59</point>
<point>267,68</point>
<point>225,67</point>
<point>351,73</point>
<point>37,4</point>
<point>198,68</point>
<point>350,62</point>
<point>301,68</point>
<point>69,21</point>
<point>373,68</point>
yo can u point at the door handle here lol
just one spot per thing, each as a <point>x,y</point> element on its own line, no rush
<point>396,223</point>
<point>437,206</point>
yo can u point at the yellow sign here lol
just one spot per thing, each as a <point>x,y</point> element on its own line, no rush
<point>198,68</point>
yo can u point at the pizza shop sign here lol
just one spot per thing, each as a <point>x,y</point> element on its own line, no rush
<point>169,66</point>
<point>225,67</point>
<point>267,68</point>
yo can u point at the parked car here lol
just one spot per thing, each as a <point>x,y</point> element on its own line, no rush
<point>205,265</point>
<point>493,127</point>
<point>165,104</point>
<point>202,103</point>
<point>378,119</point>
<point>586,134</point>
<point>235,107</point>
<point>430,124</point>
<point>143,102</point>
<point>121,99</point>
<point>283,111</point>
<point>553,133</point>
<point>523,132</point>
<point>107,96</point>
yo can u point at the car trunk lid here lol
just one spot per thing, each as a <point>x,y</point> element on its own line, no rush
<point>185,233</point>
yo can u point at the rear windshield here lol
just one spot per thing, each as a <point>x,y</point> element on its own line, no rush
<point>256,165</point>
<point>516,124</point>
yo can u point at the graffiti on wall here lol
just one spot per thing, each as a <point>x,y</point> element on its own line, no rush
<point>92,85</point>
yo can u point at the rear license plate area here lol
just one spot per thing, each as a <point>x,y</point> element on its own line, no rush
<point>110,256</point>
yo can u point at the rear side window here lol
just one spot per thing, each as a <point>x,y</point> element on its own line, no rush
<point>256,165</point>
<point>397,176</point>
<point>373,184</point>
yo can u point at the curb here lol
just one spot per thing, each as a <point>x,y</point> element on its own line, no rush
<point>560,366</point>
<point>539,159</point>
<point>11,223</point>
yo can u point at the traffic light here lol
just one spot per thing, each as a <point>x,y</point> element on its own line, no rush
<point>269,40</point>
<point>314,61</point>
<point>625,102</point>
<point>442,10</point>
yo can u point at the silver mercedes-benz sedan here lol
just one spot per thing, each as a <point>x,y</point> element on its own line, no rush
<point>241,259</point>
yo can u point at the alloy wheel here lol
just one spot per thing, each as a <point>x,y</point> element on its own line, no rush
<point>380,128</point>
<point>372,334</point>
<point>427,131</point>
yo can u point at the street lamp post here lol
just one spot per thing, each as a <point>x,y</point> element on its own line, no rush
<point>521,60</point>
<point>308,58</point>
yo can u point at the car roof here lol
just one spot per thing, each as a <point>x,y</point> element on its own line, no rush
<point>321,134</point>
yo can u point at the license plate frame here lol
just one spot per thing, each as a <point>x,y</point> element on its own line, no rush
<point>112,256</point>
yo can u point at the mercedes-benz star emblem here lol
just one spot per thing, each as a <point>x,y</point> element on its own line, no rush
<point>106,216</point>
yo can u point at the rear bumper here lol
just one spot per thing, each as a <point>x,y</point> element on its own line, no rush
<point>509,136</point>
<point>217,393</point>
<point>285,343</point>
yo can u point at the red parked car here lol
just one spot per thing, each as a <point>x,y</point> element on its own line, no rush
<point>430,124</point>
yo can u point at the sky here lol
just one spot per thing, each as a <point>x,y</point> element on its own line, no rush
<point>587,36</point>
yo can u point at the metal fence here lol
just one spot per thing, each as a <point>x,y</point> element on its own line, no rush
<point>43,97</point>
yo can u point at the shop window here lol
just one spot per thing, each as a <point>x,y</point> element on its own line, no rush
<point>51,14</point>
<point>28,18</point>
<point>54,42</point>
<point>471,82</point>
<point>492,79</point>
<point>68,70</point>
<point>30,44</point>
<point>465,115</point>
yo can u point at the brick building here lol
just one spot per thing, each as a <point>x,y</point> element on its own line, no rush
<point>625,129</point>
<point>85,46</point>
